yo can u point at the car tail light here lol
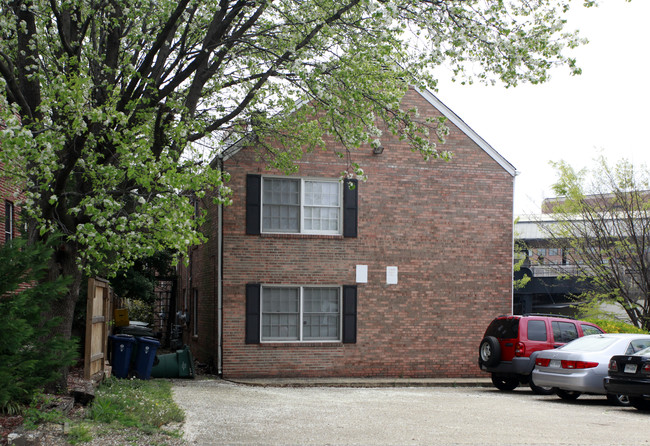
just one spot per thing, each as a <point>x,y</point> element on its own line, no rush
<point>613,365</point>
<point>520,349</point>
<point>645,368</point>
<point>578,365</point>
<point>543,362</point>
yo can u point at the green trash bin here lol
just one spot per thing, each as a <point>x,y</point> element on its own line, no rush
<point>185,363</point>
<point>174,365</point>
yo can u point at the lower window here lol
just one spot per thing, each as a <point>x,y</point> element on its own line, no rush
<point>301,313</point>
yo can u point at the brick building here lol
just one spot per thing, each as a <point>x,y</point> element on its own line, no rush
<point>399,276</point>
<point>8,210</point>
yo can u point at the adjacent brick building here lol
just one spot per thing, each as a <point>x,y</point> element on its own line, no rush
<point>399,276</point>
<point>8,210</point>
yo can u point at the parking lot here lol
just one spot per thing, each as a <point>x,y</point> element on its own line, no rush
<point>220,412</point>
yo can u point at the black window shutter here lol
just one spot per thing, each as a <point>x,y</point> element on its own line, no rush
<point>253,313</point>
<point>349,314</point>
<point>253,203</point>
<point>350,207</point>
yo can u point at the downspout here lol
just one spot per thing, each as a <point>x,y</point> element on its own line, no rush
<point>512,246</point>
<point>219,321</point>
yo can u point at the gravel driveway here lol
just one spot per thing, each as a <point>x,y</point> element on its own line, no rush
<point>219,412</point>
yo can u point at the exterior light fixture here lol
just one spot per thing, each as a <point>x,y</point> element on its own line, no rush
<point>377,150</point>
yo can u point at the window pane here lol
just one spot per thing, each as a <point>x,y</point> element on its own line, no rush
<point>564,331</point>
<point>325,219</point>
<point>589,330</point>
<point>537,330</point>
<point>322,206</point>
<point>281,191</point>
<point>280,313</point>
<point>281,205</point>
<point>323,193</point>
<point>321,314</point>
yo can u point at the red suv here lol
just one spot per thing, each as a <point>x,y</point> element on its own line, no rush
<point>511,343</point>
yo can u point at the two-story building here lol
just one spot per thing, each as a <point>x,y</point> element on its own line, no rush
<point>398,275</point>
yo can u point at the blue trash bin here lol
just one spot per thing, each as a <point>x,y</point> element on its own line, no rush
<point>121,358</point>
<point>145,355</point>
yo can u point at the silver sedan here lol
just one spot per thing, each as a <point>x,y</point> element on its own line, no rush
<point>581,365</point>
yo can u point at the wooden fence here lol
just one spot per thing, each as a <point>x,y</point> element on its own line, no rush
<point>98,317</point>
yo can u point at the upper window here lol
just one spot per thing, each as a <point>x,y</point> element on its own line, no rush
<point>294,205</point>
<point>301,314</point>
<point>9,221</point>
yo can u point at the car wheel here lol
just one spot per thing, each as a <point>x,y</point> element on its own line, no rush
<point>489,352</point>
<point>618,400</point>
<point>504,383</point>
<point>539,390</point>
<point>640,403</point>
<point>567,395</point>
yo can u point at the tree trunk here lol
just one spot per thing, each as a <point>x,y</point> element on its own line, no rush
<point>64,263</point>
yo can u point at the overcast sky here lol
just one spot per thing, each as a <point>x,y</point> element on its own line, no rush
<point>573,118</point>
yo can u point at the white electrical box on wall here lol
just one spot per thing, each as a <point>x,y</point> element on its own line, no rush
<point>391,275</point>
<point>362,273</point>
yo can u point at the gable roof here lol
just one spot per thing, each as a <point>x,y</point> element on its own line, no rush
<point>437,104</point>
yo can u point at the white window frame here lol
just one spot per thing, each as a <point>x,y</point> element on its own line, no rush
<point>301,216</point>
<point>339,290</point>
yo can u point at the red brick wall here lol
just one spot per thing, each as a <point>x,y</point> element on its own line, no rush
<point>7,193</point>
<point>447,226</point>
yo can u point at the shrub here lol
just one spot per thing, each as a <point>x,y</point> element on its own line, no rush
<point>40,411</point>
<point>30,355</point>
<point>140,310</point>
<point>614,326</point>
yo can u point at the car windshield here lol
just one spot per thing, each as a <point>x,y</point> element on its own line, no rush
<point>593,343</point>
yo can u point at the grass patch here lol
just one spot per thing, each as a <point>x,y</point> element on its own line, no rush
<point>125,411</point>
<point>79,434</point>
<point>145,405</point>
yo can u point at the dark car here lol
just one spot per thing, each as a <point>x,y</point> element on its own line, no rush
<point>630,375</point>
<point>510,345</point>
